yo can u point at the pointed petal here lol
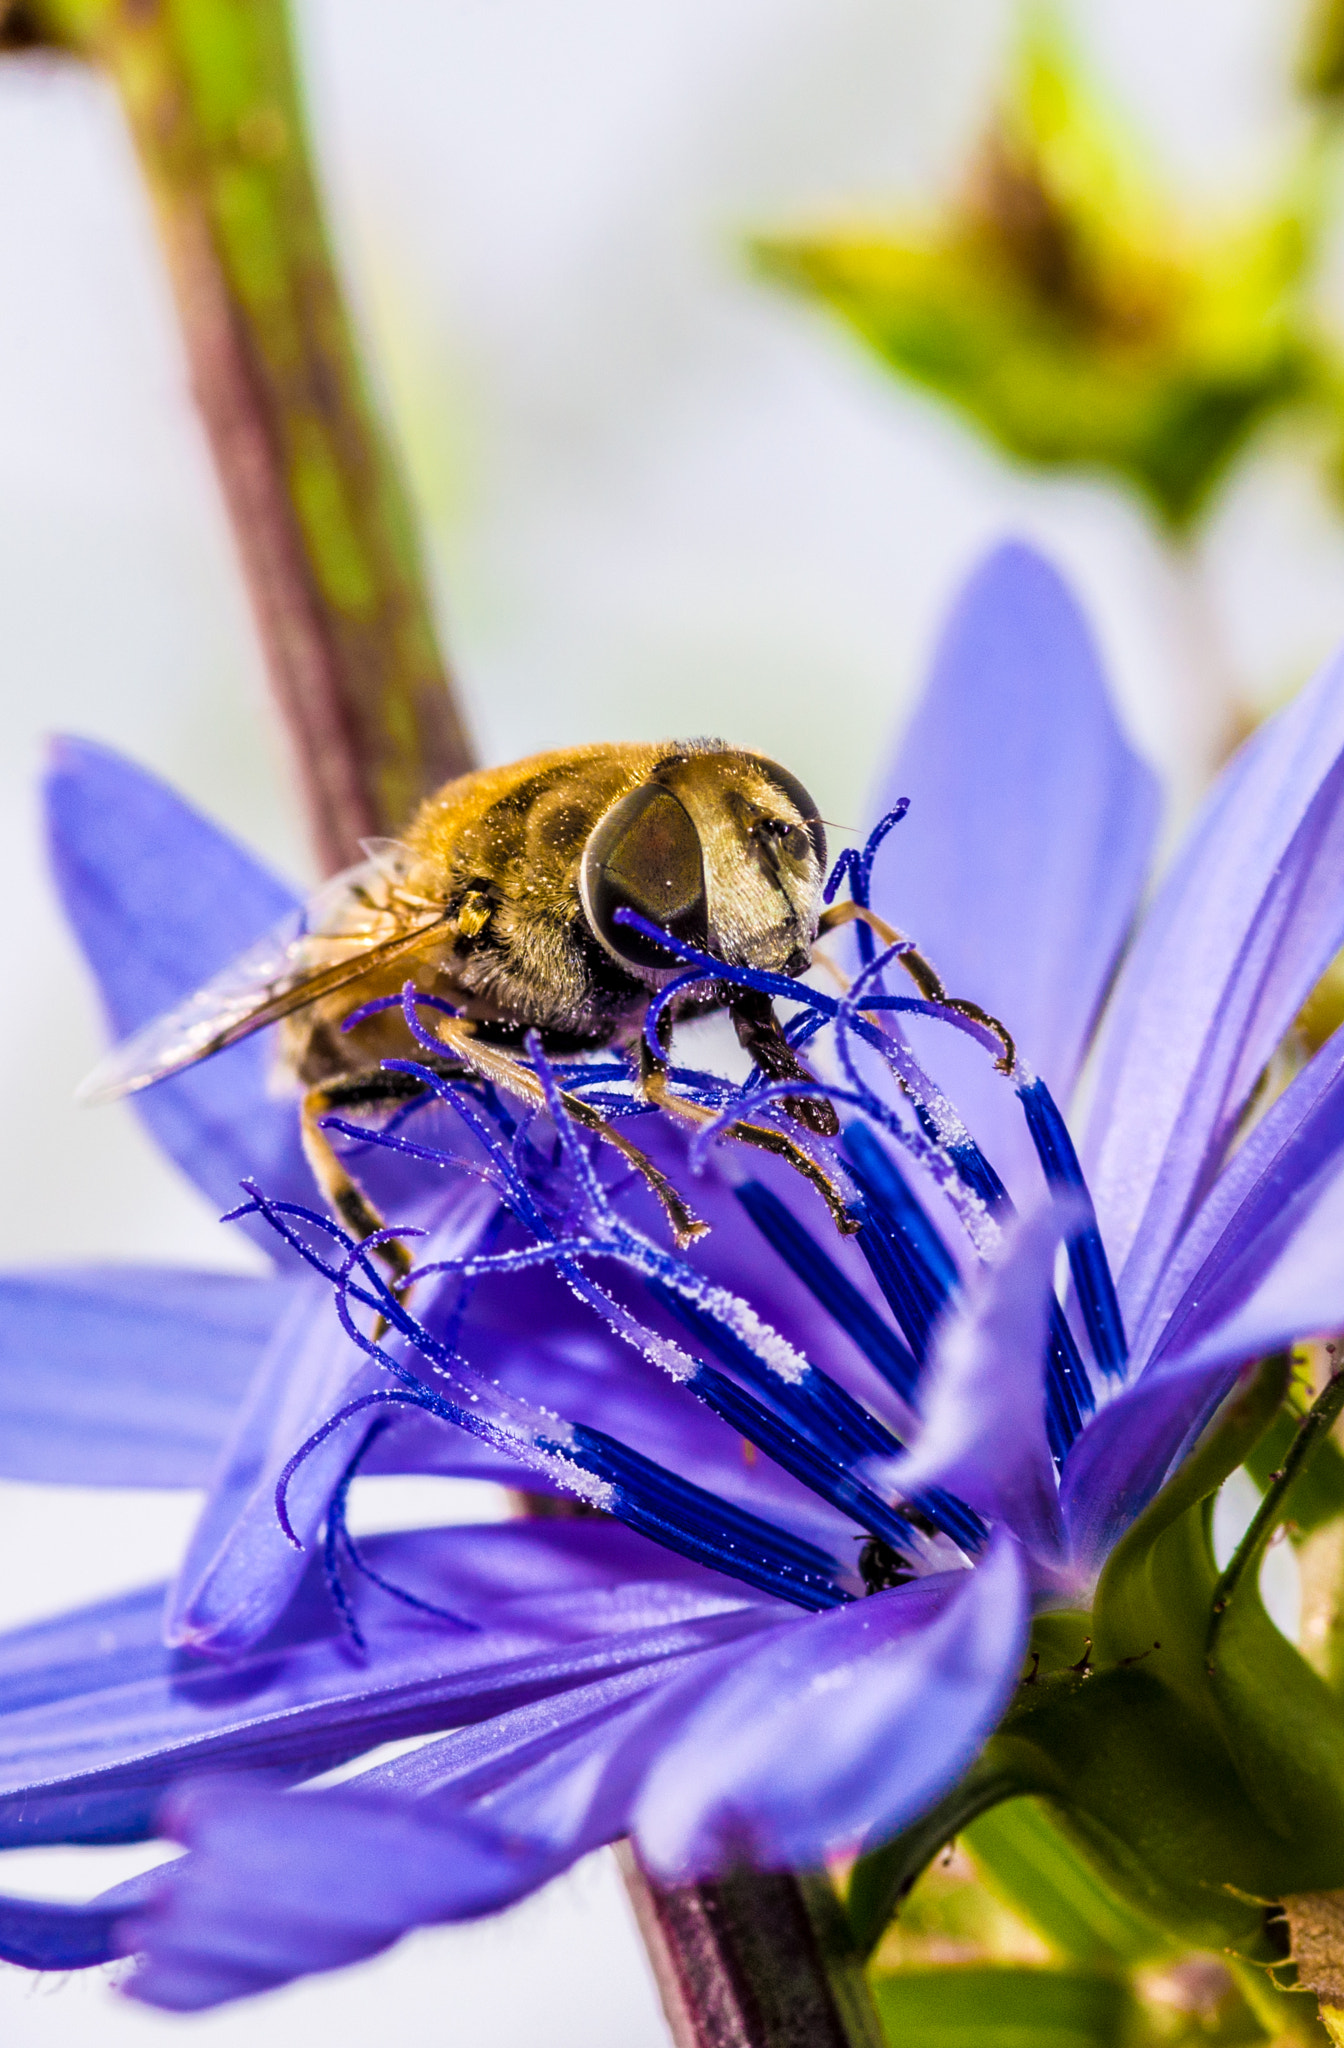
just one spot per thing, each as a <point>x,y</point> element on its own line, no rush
<point>240,1567</point>
<point>42,1934</point>
<point>1258,1267</point>
<point>160,899</point>
<point>1269,1189</point>
<point>1127,1450</point>
<point>277,1887</point>
<point>97,1717</point>
<point>841,1729</point>
<point>984,1409</point>
<point>1240,932</point>
<point>126,1375</point>
<point>1288,1285</point>
<point>1020,863</point>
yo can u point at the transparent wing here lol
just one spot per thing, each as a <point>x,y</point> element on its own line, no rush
<point>359,920</point>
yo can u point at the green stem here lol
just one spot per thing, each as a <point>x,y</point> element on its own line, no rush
<point>321,519</point>
<point>1313,1431</point>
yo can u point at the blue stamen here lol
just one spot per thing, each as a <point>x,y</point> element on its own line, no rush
<point>545,1171</point>
<point>838,1424</point>
<point>1088,1263</point>
<point>857,863</point>
<point>648,1498</point>
<point>671,1497</point>
<point>837,1294</point>
<point>337,1540</point>
<point>331,1569</point>
<point>969,1162</point>
<point>795,1424</point>
<point>792,1449</point>
<point>1068,1392</point>
<point>905,1254</point>
<point>708,1530</point>
<point>914,1269</point>
<point>378,1004</point>
<point>859,1319</point>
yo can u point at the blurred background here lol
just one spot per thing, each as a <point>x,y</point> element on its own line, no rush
<point>660,494</point>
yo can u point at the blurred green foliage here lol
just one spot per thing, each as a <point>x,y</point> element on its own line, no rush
<point>1059,304</point>
<point>1010,1940</point>
<point>970,2007</point>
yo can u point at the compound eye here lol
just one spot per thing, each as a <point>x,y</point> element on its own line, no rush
<point>644,855</point>
<point>803,804</point>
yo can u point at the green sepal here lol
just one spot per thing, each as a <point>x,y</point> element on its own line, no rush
<point>1141,1758</point>
<point>1155,1594</point>
<point>1317,1496</point>
<point>880,1880</point>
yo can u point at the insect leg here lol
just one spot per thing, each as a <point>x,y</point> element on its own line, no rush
<point>759,1033</point>
<point>495,1063</point>
<point>922,973</point>
<point>653,1078</point>
<point>342,1193</point>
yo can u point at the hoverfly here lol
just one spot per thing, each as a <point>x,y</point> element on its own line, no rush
<point>502,898</point>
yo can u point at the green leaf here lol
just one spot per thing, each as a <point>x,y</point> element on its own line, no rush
<point>1029,1864</point>
<point>973,2007</point>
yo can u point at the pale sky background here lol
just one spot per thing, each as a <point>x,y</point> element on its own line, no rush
<point>658,497</point>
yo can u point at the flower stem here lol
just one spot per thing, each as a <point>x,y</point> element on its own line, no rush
<point>757,1960</point>
<point>321,519</point>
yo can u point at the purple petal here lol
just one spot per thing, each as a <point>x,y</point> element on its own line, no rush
<point>160,899</point>
<point>1269,1189</point>
<point>1240,932</point>
<point>1290,1284</point>
<point>286,1885</point>
<point>1126,1451</point>
<point>126,1376</point>
<point>839,1730</point>
<point>1020,863</point>
<point>240,1567</point>
<point>97,1717</point>
<point>279,1887</point>
<point>984,1409</point>
<point>40,1934</point>
<point>1258,1267</point>
<point>543,1772</point>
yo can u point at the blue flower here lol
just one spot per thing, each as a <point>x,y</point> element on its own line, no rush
<point>838,1476</point>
